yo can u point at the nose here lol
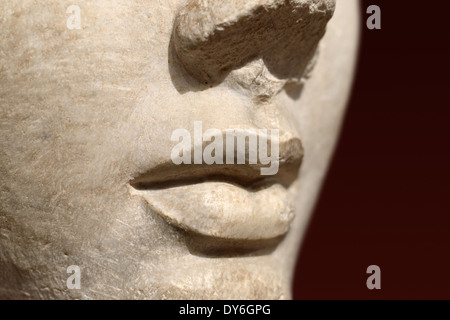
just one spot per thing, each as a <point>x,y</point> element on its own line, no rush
<point>214,37</point>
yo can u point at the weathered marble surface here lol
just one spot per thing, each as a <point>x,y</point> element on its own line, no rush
<point>84,112</point>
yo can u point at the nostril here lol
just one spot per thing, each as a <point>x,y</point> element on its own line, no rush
<point>212,37</point>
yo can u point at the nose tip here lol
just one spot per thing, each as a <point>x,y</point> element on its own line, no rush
<point>214,37</point>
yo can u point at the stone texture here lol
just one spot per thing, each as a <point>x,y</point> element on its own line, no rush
<point>85,114</point>
<point>214,37</point>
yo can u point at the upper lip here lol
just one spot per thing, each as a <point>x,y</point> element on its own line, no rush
<point>167,174</point>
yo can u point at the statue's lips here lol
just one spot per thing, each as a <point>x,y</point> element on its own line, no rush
<point>224,201</point>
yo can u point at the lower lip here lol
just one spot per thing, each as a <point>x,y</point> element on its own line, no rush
<point>223,210</point>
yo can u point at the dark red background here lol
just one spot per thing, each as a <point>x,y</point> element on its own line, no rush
<point>386,199</point>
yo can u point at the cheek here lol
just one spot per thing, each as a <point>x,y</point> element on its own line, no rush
<point>67,97</point>
<point>68,92</point>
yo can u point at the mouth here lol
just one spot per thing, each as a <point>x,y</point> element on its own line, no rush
<point>230,202</point>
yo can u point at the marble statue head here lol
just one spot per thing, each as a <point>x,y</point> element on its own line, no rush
<point>121,156</point>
